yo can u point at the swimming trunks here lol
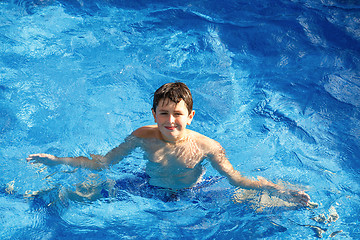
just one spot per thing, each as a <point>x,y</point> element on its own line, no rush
<point>138,184</point>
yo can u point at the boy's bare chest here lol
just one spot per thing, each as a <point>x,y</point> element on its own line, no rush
<point>169,155</point>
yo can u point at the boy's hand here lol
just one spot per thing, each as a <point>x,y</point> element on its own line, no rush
<point>294,196</point>
<point>290,195</point>
<point>299,196</point>
<point>46,159</point>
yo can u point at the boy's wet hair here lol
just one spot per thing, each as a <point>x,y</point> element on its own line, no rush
<point>175,92</point>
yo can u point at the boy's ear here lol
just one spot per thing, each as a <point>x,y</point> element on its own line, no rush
<point>191,116</point>
<point>154,114</point>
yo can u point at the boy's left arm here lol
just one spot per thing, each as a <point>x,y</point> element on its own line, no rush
<point>221,163</point>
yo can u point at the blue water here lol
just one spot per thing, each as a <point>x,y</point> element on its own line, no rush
<point>275,82</point>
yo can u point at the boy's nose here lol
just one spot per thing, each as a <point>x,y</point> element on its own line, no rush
<point>171,118</point>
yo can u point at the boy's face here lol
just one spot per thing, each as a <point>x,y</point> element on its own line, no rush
<point>172,119</point>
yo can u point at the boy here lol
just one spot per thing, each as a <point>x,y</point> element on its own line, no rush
<point>174,153</point>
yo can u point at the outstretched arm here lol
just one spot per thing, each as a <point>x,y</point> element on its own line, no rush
<point>51,160</point>
<point>96,162</point>
<point>220,162</point>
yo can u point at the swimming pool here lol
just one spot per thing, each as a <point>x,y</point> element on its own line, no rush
<point>276,83</point>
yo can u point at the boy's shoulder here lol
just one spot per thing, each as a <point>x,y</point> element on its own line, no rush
<point>205,142</point>
<point>150,131</point>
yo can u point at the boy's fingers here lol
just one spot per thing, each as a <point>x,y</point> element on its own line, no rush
<point>305,199</point>
<point>301,197</point>
<point>35,157</point>
<point>41,155</point>
<point>30,157</point>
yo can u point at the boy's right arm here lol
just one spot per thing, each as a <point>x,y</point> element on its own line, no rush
<point>97,162</point>
<point>51,160</point>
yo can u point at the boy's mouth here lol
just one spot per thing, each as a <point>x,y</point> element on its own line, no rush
<point>170,128</point>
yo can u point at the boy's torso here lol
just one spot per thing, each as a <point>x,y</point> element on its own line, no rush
<point>174,165</point>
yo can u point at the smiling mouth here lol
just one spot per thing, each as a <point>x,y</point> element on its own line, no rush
<point>170,128</point>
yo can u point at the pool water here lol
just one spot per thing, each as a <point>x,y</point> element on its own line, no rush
<point>275,82</point>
